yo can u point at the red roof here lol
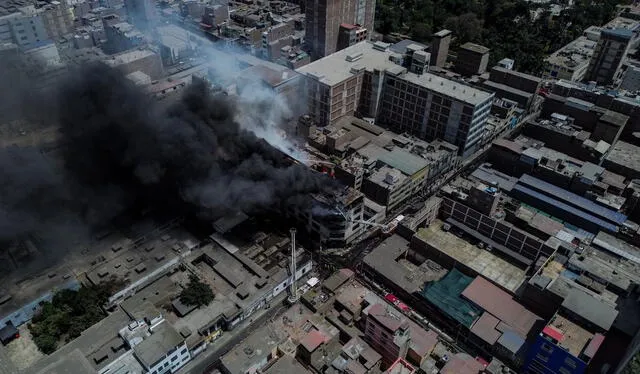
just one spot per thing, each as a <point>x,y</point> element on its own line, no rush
<point>348,26</point>
<point>485,328</point>
<point>553,333</point>
<point>462,363</point>
<point>401,366</point>
<point>594,345</point>
<point>499,303</point>
<point>313,340</point>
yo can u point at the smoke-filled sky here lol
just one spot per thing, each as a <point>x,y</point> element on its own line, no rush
<point>122,148</point>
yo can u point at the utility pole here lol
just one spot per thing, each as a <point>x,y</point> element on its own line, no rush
<point>293,296</point>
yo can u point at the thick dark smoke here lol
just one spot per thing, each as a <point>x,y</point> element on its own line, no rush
<point>121,148</point>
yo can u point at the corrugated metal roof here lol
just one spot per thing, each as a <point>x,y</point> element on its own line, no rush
<point>511,341</point>
<point>485,328</point>
<point>499,303</point>
<point>404,161</point>
<point>617,246</point>
<point>565,207</point>
<point>572,199</point>
<point>588,307</point>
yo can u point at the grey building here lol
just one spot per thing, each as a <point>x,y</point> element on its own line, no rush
<point>611,49</point>
<point>431,107</point>
<point>472,59</point>
<point>440,48</point>
<point>324,17</point>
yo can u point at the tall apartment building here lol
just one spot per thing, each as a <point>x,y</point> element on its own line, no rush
<point>367,79</point>
<point>606,60</point>
<point>431,107</point>
<point>324,17</point>
<point>141,13</point>
<point>57,18</point>
<point>472,59</point>
<point>440,48</point>
<point>25,31</point>
<point>350,35</point>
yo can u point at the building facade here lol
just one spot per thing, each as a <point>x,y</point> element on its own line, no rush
<point>472,59</point>
<point>431,107</point>
<point>611,49</point>
<point>324,17</point>
<point>440,48</point>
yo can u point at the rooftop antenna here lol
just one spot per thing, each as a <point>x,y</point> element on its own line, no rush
<point>293,297</point>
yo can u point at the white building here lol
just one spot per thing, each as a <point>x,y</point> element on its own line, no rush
<point>161,349</point>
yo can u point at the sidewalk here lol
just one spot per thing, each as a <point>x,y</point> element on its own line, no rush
<point>229,339</point>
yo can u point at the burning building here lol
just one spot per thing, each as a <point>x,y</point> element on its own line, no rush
<point>334,221</point>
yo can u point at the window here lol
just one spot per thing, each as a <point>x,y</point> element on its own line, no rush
<point>570,363</point>
<point>183,352</point>
<point>564,371</point>
<point>546,347</point>
<point>174,358</point>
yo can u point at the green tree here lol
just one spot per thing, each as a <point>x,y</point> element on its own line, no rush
<point>634,365</point>
<point>196,292</point>
<point>46,343</point>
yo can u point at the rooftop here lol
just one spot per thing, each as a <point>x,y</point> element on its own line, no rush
<point>477,48</point>
<point>590,308</point>
<point>573,337</point>
<point>625,154</point>
<point>618,247</point>
<point>485,263</point>
<point>128,57</point>
<point>388,260</point>
<point>72,363</point>
<point>574,55</point>
<point>339,66</point>
<point>501,305</point>
<point>95,344</point>
<point>163,339</point>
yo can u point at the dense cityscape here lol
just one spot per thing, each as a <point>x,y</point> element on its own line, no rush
<point>319,186</point>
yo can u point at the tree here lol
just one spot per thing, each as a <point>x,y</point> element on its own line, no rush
<point>46,343</point>
<point>196,293</point>
<point>467,27</point>
<point>633,367</point>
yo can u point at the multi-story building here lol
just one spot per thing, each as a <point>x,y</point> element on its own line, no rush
<point>323,20</point>
<point>350,35</point>
<point>472,59</point>
<point>57,19</point>
<point>432,107</point>
<point>571,62</point>
<point>142,13</point>
<point>564,346</point>
<point>392,335</point>
<point>367,79</point>
<point>23,26</point>
<point>440,48</point>
<point>333,222</point>
<point>606,60</point>
<point>121,37</point>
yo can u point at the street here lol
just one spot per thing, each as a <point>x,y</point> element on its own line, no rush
<point>208,360</point>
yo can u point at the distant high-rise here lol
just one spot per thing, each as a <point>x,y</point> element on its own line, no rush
<point>440,48</point>
<point>608,55</point>
<point>142,13</point>
<point>324,17</point>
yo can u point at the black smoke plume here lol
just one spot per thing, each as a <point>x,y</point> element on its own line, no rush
<point>121,148</point>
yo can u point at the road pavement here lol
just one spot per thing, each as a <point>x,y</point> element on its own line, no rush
<point>208,360</point>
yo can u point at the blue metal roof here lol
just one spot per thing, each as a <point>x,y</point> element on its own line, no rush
<point>572,199</point>
<point>566,207</point>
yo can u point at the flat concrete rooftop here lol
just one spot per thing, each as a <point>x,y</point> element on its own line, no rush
<point>490,266</point>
